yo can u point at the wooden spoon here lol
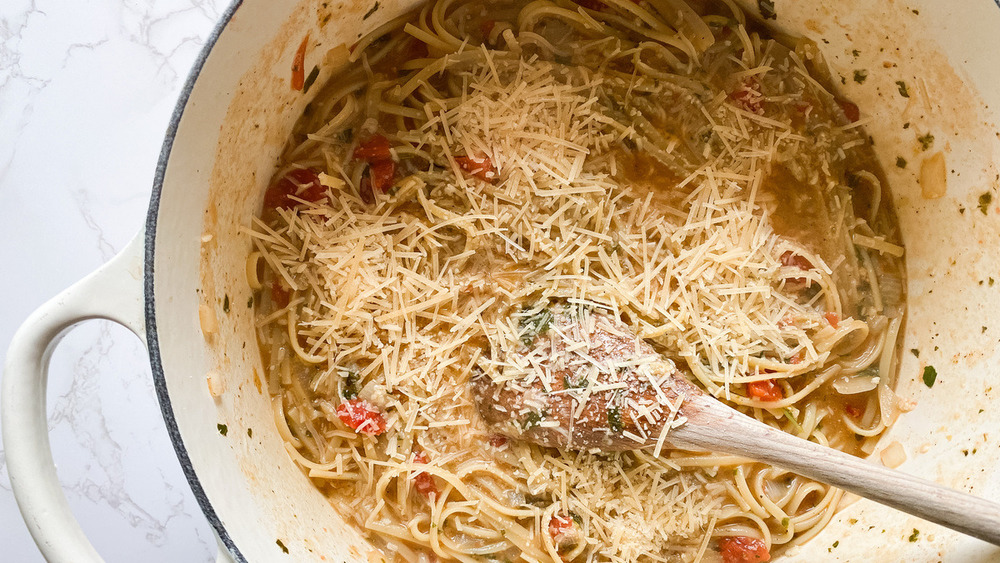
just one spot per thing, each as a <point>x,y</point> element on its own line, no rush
<point>590,384</point>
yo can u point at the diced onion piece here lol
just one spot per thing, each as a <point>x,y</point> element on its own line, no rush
<point>254,270</point>
<point>893,455</point>
<point>854,384</point>
<point>216,385</point>
<point>934,177</point>
<point>206,317</point>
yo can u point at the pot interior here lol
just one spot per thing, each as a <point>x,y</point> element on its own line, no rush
<point>239,114</point>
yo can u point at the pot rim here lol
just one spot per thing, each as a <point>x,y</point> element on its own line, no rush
<point>148,283</point>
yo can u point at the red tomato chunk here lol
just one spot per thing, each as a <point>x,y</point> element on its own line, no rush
<point>479,166</point>
<point>789,258</point>
<point>748,96</point>
<point>299,65</point>
<point>832,318</point>
<point>498,441</point>
<point>279,295</point>
<point>851,110</point>
<point>362,417</point>
<point>767,391</point>
<point>560,528</point>
<point>741,549</point>
<point>303,184</point>
<point>373,149</point>
<point>424,482</point>
<point>854,411</point>
<point>382,173</point>
<point>381,168</point>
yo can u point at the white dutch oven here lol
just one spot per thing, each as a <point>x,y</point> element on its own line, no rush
<point>236,111</point>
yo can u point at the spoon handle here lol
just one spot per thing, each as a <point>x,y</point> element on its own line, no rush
<point>716,427</point>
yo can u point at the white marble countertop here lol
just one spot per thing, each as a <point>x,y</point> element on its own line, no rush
<point>86,92</point>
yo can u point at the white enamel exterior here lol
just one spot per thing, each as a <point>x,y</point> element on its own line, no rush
<point>231,129</point>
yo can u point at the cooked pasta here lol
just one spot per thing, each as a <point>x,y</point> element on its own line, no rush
<point>668,163</point>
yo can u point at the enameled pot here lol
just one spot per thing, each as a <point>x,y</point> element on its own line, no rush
<point>236,112</point>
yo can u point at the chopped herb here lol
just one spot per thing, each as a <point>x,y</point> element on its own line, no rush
<point>930,375</point>
<point>225,301</point>
<point>915,352</point>
<point>366,16</point>
<point>900,162</point>
<point>563,59</point>
<point>351,385</point>
<point>282,546</point>
<point>766,8</point>
<point>531,421</point>
<point>860,76</point>
<point>249,432</point>
<point>906,125</point>
<point>926,141</point>
<point>915,535</point>
<point>991,281</point>
<point>785,522</point>
<point>984,202</point>
<point>836,543</point>
<point>223,429</point>
<point>903,90</point>
<point>250,302</point>
<point>856,53</point>
<point>346,136</point>
<point>310,79</point>
<point>579,384</point>
<point>576,518</point>
<point>535,325</point>
<point>791,418</point>
<point>615,419</point>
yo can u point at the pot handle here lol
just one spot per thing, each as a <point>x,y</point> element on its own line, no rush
<point>112,292</point>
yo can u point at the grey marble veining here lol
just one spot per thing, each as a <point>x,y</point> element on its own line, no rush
<point>86,92</point>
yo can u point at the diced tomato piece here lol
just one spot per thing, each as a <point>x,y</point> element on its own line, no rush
<point>560,528</point>
<point>498,440</point>
<point>789,258</point>
<point>423,482</point>
<point>302,183</point>
<point>279,294</point>
<point>486,27</point>
<point>299,65</point>
<point>748,96</point>
<point>362,416</point>
<point>373,149</point>
<point>767,391</point>
<point>832,318</point>
<point>479,166</point>
<point>854,411</point>
<point>796,359</point>
<point>382,173</point>
<point>851,110</point>
<point>742,549</point>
